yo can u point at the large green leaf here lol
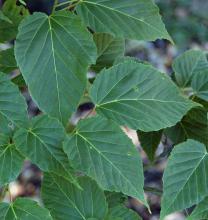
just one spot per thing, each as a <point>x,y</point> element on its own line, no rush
<point>194,125</point>
<point>7,60</point>
<point>12,103</point>
<point>100,149</point>
<point>14,14</point>
<point>68,202</point>
<point>108,49</point>
<point>200,84</point>
<point>185,178</point>
<point>128,19</point>
<point>149,142</point>
<point>138,96</point>
<point>187,65</point>
<point>41,142</point>
<point>201,211</point>
<point>23,209</point>
<point>53,53</point>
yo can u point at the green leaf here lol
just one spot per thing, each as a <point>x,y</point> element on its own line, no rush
<point>15,14</point>
<point>120,211</point>
<point>200,212</point>
<point>200,85</point>
<point>113,198</point>
<point>194,125</point>
<point>132,19</point>
<point>12,103</point>
<point>187,65</point>
<point>100,149</point>
<point>138,96</point>
<point>150,141</point>
<point>23,209</point>
<point>65,201</point>
<point>185,178</point>
<point>4,18</point>
<point>52,52</point>
<point>41,142</point>
<point>108,49</point>
<point>7,61</point>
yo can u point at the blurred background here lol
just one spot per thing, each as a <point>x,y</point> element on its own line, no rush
<point>187,23</point>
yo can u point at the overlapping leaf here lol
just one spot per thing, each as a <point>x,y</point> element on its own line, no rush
<point>53,53</point>
<point>41,142</point>
<point>65,201</point>
<point>108,49</point>
<point>14,15</point>
<point>12,103</point>
<point>23,209</point>
<point>128,19</point>
<point>138,96</point>
<point>201,211</point>
<point>188,65</point>
<point>100,149</point>
<point>200,84</point>
<point>149,142</point>
<point>185,178</point>
<point>7,60</point>
<point>193,126</point>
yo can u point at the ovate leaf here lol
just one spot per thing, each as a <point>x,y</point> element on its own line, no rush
<point>12,103</point>
<point>120,211</point>
<point>200,84</point>
<point>41,142</point>
<point>138,96</point>
<point>100,149</point>
<point>14,14</point>
<point>128,19</point>
<point>108,49</point>
<point>23,209</point>
<point>187,65</point>
<point>149,142</point>
<point>194,125</point>
<point>185,178</point>
<point>53,53</point>
<point>65,201</point>
<point>7,61</point>
<point>201,211</point>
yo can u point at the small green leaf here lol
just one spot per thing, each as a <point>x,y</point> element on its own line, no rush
<point>194,125</point>
<point>200,212</point>
<point>41,142</point>
<point>65,201</point>
<point>188,65</point>
<point>114,199</point>
<point>200,84</point>
<point>15,14</point>
<point>149,142</point>
<point>23,209</point>
<point>185,178</point>
<point>138,96</point>
<point>7,61</point>
<point>108,49</point>
<point>132,19</point>
<point>100,149</point>
<point>54,53</point>
<point>12,103</point>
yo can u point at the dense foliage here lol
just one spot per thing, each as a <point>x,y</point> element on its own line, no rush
<point>89,171</point>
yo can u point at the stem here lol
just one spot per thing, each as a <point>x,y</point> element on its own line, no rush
<point>54,6</point>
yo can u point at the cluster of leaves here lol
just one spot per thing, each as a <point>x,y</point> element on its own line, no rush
<point>88,171</point>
